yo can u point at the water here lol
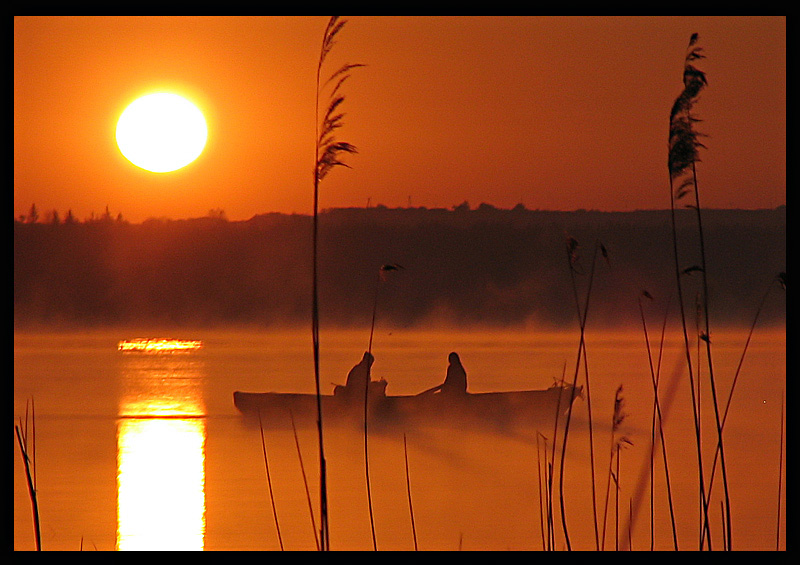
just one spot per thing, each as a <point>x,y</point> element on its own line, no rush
<point>147,451</point>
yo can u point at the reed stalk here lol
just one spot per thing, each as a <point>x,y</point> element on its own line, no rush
<point>695,81</point>
<point>715,402</point>
<point>630,529</point>
<point>551,466</point>
<point>616,444</point>
<point>616,502</point>
<point>408,491</point>
<point>657,420</point>
<point>572,247</point>
<point>781,279</point>
<point>780,473</point>
<point>381,278</point>
<point>269,482</point>
<point>327,151</point>
<point>305,481</point>
<point>539,483</point>
<point>30,473</point>
<point>33,439</point>
<point>366,416</point>
<point>666,400</point>
<point>682,155</point>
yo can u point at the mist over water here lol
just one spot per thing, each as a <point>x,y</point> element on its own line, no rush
<point>471,488</point>
<point>492,285</point>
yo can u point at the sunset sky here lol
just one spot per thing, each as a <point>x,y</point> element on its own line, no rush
<point>555,113</point>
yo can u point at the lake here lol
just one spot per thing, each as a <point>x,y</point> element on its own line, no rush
<point>145,450</point>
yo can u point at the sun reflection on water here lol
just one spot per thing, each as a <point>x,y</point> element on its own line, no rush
<point>161,449</point>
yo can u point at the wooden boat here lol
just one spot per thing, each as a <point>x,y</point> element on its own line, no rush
<point>489,408</point>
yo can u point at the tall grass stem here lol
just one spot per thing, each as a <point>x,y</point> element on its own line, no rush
<point>23,448</point>
<point>305,481</point>
<point>269,482</point>
<point>408,492</point>
<point>780,472</point>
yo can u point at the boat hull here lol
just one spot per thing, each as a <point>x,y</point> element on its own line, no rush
<point>492,408</point>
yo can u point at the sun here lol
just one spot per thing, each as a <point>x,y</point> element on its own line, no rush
<point>161,132</point>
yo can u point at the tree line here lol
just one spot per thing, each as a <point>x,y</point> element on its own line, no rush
<point>461,265</point>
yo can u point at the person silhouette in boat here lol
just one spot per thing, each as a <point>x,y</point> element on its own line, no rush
<point>455,381</point>
<point>357,380</point>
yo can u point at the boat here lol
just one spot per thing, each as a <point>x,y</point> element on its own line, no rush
<point>482,408</point>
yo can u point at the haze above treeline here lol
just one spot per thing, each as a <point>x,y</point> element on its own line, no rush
<point>460,266</point>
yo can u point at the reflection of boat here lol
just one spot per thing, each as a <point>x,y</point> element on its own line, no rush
<point>525,406</point>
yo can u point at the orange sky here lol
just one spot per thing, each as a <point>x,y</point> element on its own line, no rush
<point>553,112</point>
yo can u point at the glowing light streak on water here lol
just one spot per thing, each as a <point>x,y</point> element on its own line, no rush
<point>161,448</point>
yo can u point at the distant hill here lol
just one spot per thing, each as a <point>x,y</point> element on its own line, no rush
<point>483,266</point>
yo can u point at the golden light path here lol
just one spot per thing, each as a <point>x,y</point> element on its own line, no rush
<point>161,447</point>
<point>150,345</point>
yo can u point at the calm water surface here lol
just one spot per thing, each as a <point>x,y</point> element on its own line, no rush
<point>146,450</point>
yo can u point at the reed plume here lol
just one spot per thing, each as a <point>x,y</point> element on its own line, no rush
<point>683,157</point>
<point>617,443</point>
<point>327,155</point>
<point>683,154</point>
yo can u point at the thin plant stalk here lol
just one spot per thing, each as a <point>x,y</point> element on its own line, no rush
<point>684,157</point>
<point>714,401</point>
<point>366,416</point>
<point>539,476</point>
<point>683,152</point>
<point>551,538</point>
<point>738,372</point>
<point>323,496</point>
<point>381,272</point>
<point>33,439</point>
<point>780,475</point>
<point>658,421</point>
<point>689,364</point>
<point>616,444</point>
<point>305,481</point>
<point>408,491</point>
<point>781,279</point>
<point>666,399</point>
<point>23,448</point>
<point>326,156</point>
<point>269,482</point>
<point>616,503</point>
<point>551,466</point>
<point>582,316</point>
<point>630,532</point>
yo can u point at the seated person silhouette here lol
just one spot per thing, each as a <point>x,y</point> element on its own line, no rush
<point>455,382</point>
<point>357,379</point>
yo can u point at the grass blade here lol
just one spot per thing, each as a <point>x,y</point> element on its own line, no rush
<point>780,475</point>
<point>408,490</point>
<point>31,489</point>
<point>305,481</point>
<point>269,482</point>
